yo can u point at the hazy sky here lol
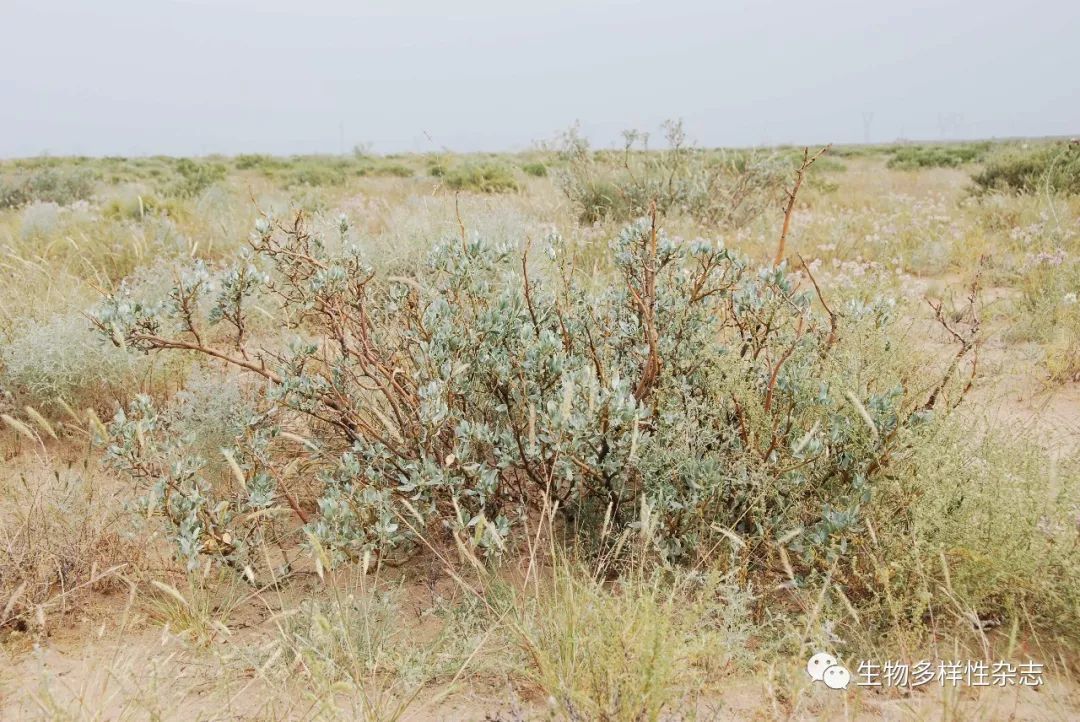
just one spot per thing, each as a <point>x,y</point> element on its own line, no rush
<point>102,77</point>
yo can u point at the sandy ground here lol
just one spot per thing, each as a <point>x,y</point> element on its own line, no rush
<point>146,673</point>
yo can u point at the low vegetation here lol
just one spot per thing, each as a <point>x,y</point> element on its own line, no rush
<point>1043,168</point>
<point>45,185</point>
<point>725,190</point>
<point>481,178</point>
<point>913,157</point>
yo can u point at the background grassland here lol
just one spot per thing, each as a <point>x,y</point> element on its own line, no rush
<point>966,548</point>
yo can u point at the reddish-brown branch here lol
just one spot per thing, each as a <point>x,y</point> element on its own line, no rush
<point>776,369</point>
<point>807,161</point>
<point>528,288</point>
<point>646,303</point>
<point>832,316</point>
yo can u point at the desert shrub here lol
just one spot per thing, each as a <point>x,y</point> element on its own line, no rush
<point>725,190</point>
<point>824,164</point>
<point>914,157</point>
<point>61,358</point>
<point>390,170</point>
<point>39,220</point>
<point>257,161</point>
<point>1053,167</point>
<point>481,178</point>
<point>599,199</point>
<point>194,177</point>
<point>458,398</point>
<point>315,175</point>
<point>536,170</point>
<point>45,185</point>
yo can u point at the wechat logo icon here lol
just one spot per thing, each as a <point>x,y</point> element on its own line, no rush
<point>823,667</point>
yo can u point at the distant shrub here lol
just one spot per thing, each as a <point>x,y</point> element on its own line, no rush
<point>481,178</point>
<point>914,157</point>
<point>599,199</point>
<point>825,164</point>
<point>393,170</point>
<point>726,190</point>
<point>63,359</point>
<point>137,206</point>
<point>315,175</point>
<point>537,170</point>
<point>860,151</point>
<point>794,156</point>
<point>193,177</point>
<point>259,161</point>
<point>39,220</point>
<point>45,185</point>
<point>1051,167</point>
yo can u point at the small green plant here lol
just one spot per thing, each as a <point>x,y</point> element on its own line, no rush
<point>1047,306</point>
<point>350,639</point>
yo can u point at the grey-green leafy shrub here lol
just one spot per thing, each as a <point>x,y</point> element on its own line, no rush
<point>456,397</point>
<point>62,358</point>
<point>715,189</point>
